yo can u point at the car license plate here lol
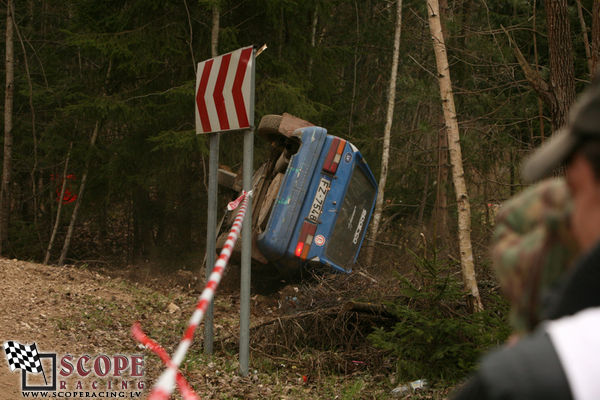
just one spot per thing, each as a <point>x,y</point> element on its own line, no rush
<point>319,201</point>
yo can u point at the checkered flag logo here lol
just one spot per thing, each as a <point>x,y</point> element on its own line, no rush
<point>20,356</point>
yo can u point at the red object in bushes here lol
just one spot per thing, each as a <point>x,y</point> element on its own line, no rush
<point>68,196</point>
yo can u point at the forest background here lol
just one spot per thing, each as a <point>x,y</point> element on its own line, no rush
<point>103,100</point>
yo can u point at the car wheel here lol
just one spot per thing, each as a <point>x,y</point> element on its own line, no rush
<point>269,125</point>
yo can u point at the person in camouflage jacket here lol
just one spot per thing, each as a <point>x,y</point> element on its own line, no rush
<point>532,247</point>
<point>559,359</point>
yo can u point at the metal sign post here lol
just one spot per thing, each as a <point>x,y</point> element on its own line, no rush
<point>225,102</point>
<point>248,170</point>
<point>211,232</point>
<point>246,256</point>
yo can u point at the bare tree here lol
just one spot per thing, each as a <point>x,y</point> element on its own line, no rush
<point>440,213</point>
<point>586,42</point>
<point>558,93</point>
<point>441,232</point>
<point>191,38</point>
<point>595,45</point>
<point>537,69</point>
<point>354,71</point>
<point>385,154</point>
<point>458,176</point>
<point>67,243</point>
<point>33,172</point>
<point>313,38</point>
<point>214,33</point>
<point>8,126</point>
<point>562,72</point>
<point>59,210</point>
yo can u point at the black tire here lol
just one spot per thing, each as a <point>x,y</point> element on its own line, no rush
<point>269,125</point>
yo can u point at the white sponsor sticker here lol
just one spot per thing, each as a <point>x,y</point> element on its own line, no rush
<point>361,222</point>
<point>319,240</point>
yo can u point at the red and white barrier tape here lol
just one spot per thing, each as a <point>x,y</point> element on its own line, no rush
<point>232,205</point>
<point>166,382</point>
<point>184,387</point>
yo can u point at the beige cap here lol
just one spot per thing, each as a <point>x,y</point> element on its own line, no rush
<point>584,123</point>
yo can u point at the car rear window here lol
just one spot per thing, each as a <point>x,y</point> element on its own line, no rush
<point>352,220</point>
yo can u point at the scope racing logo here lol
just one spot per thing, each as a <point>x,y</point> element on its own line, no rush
<point>101,376</point>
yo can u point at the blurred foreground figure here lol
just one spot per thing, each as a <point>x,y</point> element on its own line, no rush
<point>560,359</point>
<point>533,246</point>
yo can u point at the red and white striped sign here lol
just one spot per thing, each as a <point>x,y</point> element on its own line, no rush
<point>225,91</point>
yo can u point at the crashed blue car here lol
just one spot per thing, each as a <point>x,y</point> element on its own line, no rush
<point>314,202</point>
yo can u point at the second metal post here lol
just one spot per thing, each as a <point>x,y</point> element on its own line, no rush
<point>248,170</point>
<point>211,232</point>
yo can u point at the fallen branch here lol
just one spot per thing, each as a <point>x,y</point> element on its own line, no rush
<point>350,306</point>
<point>371,308</point>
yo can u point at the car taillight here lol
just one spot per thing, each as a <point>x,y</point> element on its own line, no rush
<point>334,156</point>
<point>305,239</point>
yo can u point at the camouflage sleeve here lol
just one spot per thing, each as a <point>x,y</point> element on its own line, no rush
<point>532,247</point>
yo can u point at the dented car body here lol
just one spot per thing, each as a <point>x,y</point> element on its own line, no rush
<point>323,206</point>
<point>314,201</point>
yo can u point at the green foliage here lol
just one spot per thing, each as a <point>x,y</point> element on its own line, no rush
<point>435,337</point>
<point>353,390</point>
<point>280,97</point>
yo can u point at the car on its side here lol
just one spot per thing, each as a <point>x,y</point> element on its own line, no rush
<point>313,200</point>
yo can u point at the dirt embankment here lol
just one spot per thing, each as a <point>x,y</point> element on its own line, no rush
<point>307,340</point>
<point>74,310</point>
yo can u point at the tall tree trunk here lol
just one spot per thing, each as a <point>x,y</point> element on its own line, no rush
<point>595,46</point>
<point>586,42</point>
<point>33,172</point>
<point>386,134</point>
<point>562,73</point>
<point>458,178</point>
<point>354,74</point>
<point>313,39</point>
<point>281,32</point>
<point>8,125</point>
<point>191,39</point>
<point>559,93</point>
<point>425,193</point>
<point>214,33</point>
<point>537,68</point>
<point>441,230</point>
<point>59,210</point>
<point>67,243</point>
